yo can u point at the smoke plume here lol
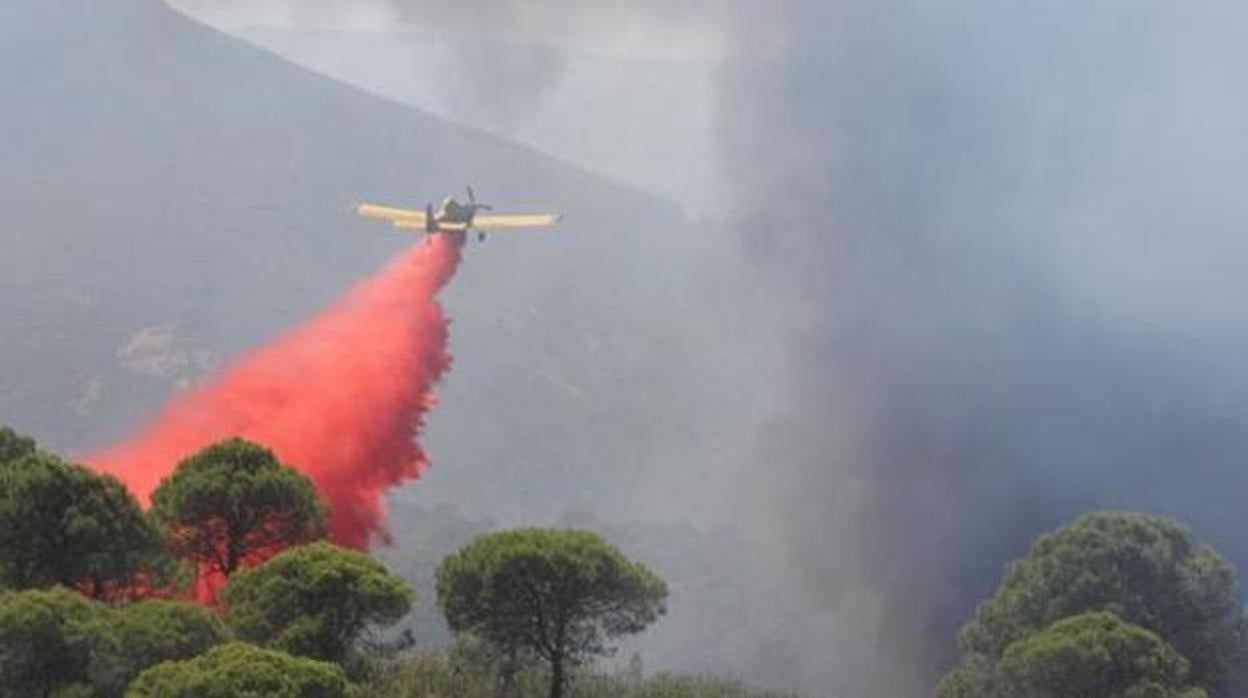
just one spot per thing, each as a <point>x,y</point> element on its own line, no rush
<point>340,398</point>
<point>1015,225</point>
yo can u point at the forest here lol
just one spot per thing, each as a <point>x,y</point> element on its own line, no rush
<point>227,586</point>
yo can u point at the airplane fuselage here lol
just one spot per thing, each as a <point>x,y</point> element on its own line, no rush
<point>451,211</point>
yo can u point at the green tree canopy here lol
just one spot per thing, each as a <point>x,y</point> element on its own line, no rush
<point>561,594</point>
<point>239,670</point>
<point>233,503</point>
<point>63,524</point>
<point>57,642</point>
<point>1147,570</point>
<point>45,642</point>
<point>135,637</point>
<point>315,601</point>
<point>14,446</point>
<point>1094,655</point>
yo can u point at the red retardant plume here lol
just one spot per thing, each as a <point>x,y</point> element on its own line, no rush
<point>341,398</point>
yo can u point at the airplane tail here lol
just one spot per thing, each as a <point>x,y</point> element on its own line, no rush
<point>431,225</point>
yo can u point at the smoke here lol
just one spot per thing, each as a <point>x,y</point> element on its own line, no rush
<point>341,398</point>
<point>1006,284</point>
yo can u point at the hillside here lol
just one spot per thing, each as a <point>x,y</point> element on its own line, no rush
<point>568,103</point>
<point>167,177</point>
<point>174,196</point>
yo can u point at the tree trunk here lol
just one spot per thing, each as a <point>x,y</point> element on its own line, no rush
<point>232,556</point>
<point>507,669</point>
<point>556,677</point>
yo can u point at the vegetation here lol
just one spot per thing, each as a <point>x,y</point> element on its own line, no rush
<point>45,642</point>
<point>1094,654</point>
<point>239,669</point>
<point>142,635</point>
<point>301,617</point>
<point>63,524</point>
<point>559,594</point>
<point>54,642</point>
<point>1112,605</point>
<point>1146,570</point>
<point>315,601</point>
<point>453,676</point>
<point>14,445</point>
<point>234,503</point>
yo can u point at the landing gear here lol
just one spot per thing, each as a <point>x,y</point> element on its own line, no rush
<point>480,236</point>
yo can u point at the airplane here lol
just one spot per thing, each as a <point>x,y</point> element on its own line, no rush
<point>453,216</point>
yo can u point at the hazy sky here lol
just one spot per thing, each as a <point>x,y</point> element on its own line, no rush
<point>629,90</point>
<point>688,31</point>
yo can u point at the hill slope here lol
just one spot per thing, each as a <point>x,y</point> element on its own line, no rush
<point>647,123</point>
<point>174,196</point>
<point>165,176</point>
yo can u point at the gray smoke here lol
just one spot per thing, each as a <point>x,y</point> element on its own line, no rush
<point>1005,242</point>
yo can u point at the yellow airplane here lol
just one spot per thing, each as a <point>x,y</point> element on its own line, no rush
<point>452,216</point>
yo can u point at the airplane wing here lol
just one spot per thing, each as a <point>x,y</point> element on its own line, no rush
<point>519,220</point>
<point>420,225</point>
<point>416,219</point>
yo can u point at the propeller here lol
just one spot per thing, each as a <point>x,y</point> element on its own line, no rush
<point>472,199</point>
